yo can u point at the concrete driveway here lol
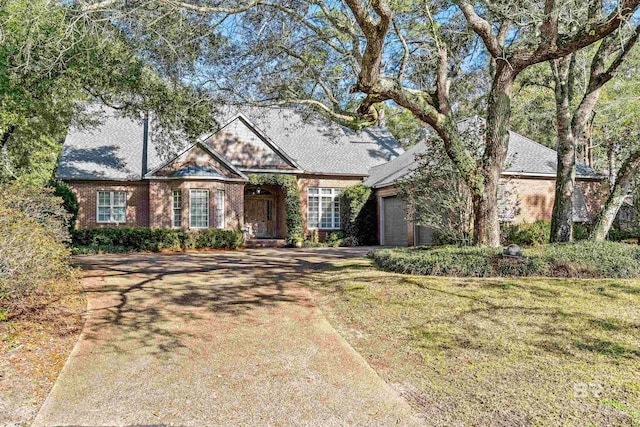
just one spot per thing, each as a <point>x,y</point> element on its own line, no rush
<point>214,338</point>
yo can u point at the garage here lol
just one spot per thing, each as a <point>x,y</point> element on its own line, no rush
<point>394,212</point>
<point>395,230</point>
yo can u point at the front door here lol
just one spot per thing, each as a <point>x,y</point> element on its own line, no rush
<point>259,215</point>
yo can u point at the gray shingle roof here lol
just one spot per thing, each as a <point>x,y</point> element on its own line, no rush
<point>113,150</point>
<point>529,157</point>
<point>524,157</point>
<point>317,144</point>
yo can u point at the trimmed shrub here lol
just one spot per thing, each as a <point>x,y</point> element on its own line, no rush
<point>579,259</point>
<point>334,239</point>
<point>616,234</point>
<point>358,215</point>
<point>444,261</point>
<point>145,239</point>
<point>526,234</point>
<point>580,231</point>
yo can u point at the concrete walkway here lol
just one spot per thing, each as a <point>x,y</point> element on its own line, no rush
<point>214,338</point>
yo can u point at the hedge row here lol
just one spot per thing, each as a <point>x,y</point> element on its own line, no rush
<point>147,239</point>
<point>581,259</point>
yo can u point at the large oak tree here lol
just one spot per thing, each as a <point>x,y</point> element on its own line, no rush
<point>344,58</point>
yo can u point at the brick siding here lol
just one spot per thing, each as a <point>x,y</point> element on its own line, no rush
<point>137,213</point>
<point>323,181</point>
<point>150,204</point>
<point>161,202</point>
<point>534,197</point>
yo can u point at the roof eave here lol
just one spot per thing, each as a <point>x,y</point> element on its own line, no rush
<point>550,175</point>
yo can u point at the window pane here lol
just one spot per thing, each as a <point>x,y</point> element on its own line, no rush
<point>119,198</point>
<point>199,208</point>
<point>104,214</point>
<point>177,199</point>
<point>326,212</point>
<point>104,198</point>
<point>220,209</point>
<point>118,214</point>
<point>177,208</point>
<point>313,218</point>
<point>336,210</point>
<point>313,191</point>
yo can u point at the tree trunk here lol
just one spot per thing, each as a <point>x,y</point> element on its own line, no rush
<point>619,192</point>
<point>562,216</point>
<point>485,202</point>
<point>5,159</point>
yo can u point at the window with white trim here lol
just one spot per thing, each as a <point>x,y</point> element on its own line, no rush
<point>199,208</point>
<point>323,208</point>
<point>177,209</point>
<point>220,209</point>
<point>112,206</point>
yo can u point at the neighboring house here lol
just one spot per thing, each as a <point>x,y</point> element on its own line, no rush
<point>125,175</point>
<point>526,191</point>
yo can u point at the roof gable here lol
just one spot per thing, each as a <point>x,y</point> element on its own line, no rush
<point>197,161</point>
<point>247,148</point>
<point>317,144</point>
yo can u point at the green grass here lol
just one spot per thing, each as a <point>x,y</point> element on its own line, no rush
<point>586,259</point>
<point>506,351</point>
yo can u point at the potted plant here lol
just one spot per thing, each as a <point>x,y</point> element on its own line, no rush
<point>297,242</point>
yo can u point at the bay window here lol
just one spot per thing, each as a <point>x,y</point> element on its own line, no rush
<point>199,208</point>
<point>177,209</point>
<point>220,209</point>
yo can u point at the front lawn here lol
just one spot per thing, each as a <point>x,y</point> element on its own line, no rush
<point>521,351</point>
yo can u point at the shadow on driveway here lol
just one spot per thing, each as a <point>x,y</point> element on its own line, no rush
<point>215,338</point>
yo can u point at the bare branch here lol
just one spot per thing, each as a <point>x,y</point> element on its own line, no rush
<point>405,48</point>
<point>481,27</point>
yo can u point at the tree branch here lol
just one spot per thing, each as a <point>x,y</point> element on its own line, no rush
<point>482,28</point>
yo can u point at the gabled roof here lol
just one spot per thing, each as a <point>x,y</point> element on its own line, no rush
<point>388,173</point>
<point>245,146</point>
<point>306,142</point>
<point>524,158</point>
<point>317,144</point>
<point>197,161</point>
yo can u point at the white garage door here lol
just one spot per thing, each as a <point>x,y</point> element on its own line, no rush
<point>395,222</point>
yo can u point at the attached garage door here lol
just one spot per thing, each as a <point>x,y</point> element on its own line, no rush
<point>424,235</point>
<point>395,222</point>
